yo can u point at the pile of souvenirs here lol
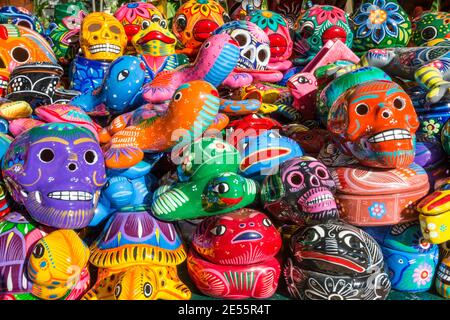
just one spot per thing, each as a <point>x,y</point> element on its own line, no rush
<point>300,150</point>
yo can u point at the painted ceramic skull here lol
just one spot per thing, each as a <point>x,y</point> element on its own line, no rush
<point>302,192</point>
<point>376,122</point>
<point>102,37</point>
<point>22,17</point>
<point>253,44</point>
<point>56,171</point>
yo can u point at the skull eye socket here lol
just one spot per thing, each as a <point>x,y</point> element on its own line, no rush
<point>362,109</point>
<point>429,33</point>
<point>46,155</point>
<point>263,54</point>
<point>94,27</point>
<point>38,251</point>
<point>218,230</point>
<point>321,173</point>
<point>148,289</point>
<point>181,23</point>
<point>90,157</point>
<point>221,188</point>
<point>115,29</point>
<point>295,179</point>
<point>242,38</point>
<point>399,103</point>
<point>20,54</point>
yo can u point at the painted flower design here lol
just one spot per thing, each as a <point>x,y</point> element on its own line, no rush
<point>330,290</point>
<point>377,210</point>
<point>327,13</point>
<point>133,10</point>
<point>420,243</point>
<point>378,18</point>
<point>268,19</point>
<point>422,274</point>
<point>431,127</point>
<point>205,7</point>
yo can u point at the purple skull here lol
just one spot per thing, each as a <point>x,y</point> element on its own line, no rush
<point>56,171</point>
<point>301,192</point>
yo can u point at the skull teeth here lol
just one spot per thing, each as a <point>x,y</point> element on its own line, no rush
<point>319,199</point>
<point>105,48</point>
<point>71,195</point>
<point>443,273</point>
<point>396,134</point>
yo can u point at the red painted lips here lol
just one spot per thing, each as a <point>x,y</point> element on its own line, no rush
<point>156,35</point>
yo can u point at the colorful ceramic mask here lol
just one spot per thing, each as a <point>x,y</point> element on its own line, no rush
<point>301,192</point>
<point>443,279</point>
<point>410,259</point>
<point>155,39</point>
<point>195,21</point>
<point>277,29</point>
<point>64,32</point>
<point>56,264</point>
<point>435,215</point>
<point>429,27</point>
<point>376,122</point>
<point>242,243</point>
<point>263,154</point>
<point>102,37</point>
<point>136,16</point>
<point>335,261</point>
<point>20,45</point>
<point>380,24</point>
<point>22,17</point>
<point>316,27</point>
<point>254,44</point>
<point>56,171</point>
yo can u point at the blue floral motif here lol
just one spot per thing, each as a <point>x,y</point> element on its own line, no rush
<point>377,210</point>
<point>377,19</point>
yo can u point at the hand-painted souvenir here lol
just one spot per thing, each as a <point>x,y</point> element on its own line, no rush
<point>254,47</point>
<point>433,118</point>
<point>17,126</point>
<point>11,110</point>
<point>262,155</point>
<point>134,17</point>
<point>209,183</point>
<point>195,21</point>
<point>410,259</point>
<point>301,192</point>
<point>120,90</point>
<point>277,29</point>
<point>215,61</point>
<point>374,120</point>
<point>184,119</point>
<point>318,25</point>
<point>250,126</point>
<point>146,252</point>
<point>64,32</point>
<point>56,171</point>
<point>56,264</point>
<point>102,37</point>
<point>377,197</point>
<point>38,84</point>
<point>20,45</point>
<point>310,140</point>
<point>335,261</point>
<point>445,137</point>
<point>87,75</point>
<point>428,66</point>
<point>380,24</point>
<point>242,243</point>
<point>22,17</point>
<point>430,26</point>
<point>442,282</point>
<point>435,215</point>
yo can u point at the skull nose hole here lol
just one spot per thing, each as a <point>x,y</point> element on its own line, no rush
<point>385,114</point>
<point>248,55</point>
<point>314,181</point>
<point>72,166</point>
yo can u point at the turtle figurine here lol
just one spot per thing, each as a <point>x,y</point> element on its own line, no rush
<point>137,257</point>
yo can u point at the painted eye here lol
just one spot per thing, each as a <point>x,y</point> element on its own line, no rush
<point>399,103</point>
<point>267,222</point>
<point>429,33</point>
<point>400,261</point>
<point>312,236</point>
<point>295,179</point>
<point>181,23</point>
<point>145,24</point>
<point>302,79</point>
<point>163,23</point>
<point>207,45</point>
<point>156,18</point>
<point>117,290</point>
<point>38,251</point>
<point>226,17</point>
<point>218,230</point>
<point>90,156</point>
<point>123,75</point>
<point>321,173</point>
<point>362,109</point>
<point>353,242</point>
<point>307,30</point>
<point>148,289</point>
<point>20,54</point>
<point>221,188</point>
<point>177,96</point>
<point>46,155</point>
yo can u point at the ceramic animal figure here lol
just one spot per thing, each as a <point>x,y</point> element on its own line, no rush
<point>216,59</point>
<point>184,118</point>
<point>11,110</point>
<point>120,90</point>
<point>137,257</point>
<point>430,26</point>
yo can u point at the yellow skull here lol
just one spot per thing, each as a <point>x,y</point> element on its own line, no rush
<point>102,37</point>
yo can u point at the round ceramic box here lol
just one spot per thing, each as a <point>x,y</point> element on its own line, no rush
<point>378,197</point>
